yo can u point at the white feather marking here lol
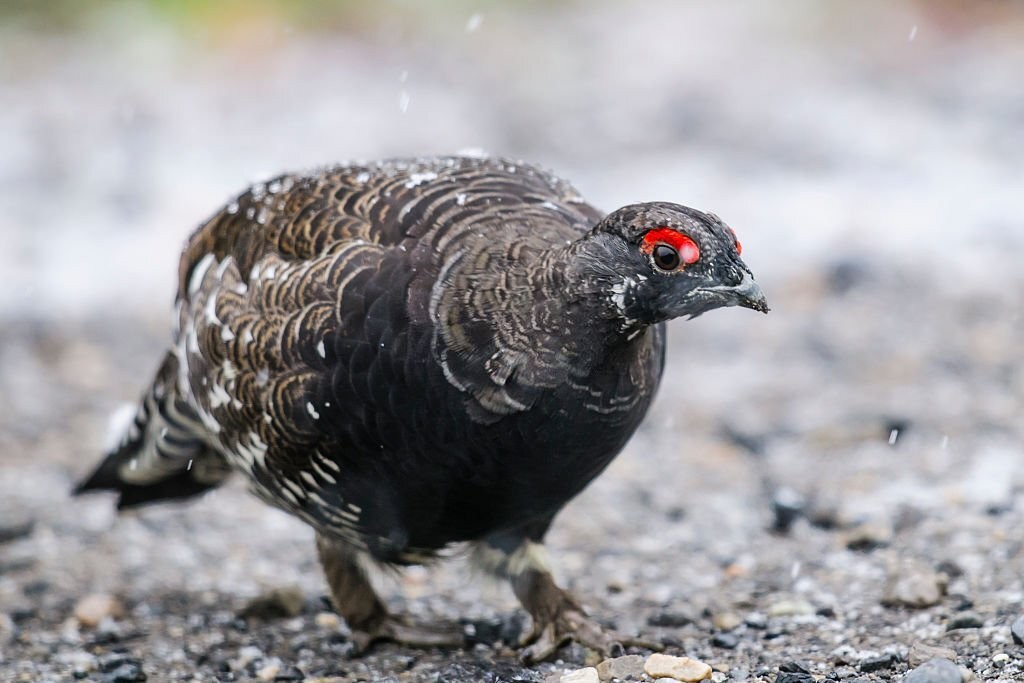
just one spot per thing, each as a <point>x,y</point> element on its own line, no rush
<point>311,409</point>
<point>226,334</point>
<point>219,396</point>
<point>229,370</point>
<point>195,281</point>
<point>321,349</point>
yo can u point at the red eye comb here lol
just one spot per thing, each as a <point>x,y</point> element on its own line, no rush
<point>688,250</point>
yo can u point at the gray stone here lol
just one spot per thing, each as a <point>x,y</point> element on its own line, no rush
<point>627,668</point>
<point>1017,631</point>
<point>935,671</point>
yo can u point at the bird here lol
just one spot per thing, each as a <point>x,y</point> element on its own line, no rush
<point>414,355</point>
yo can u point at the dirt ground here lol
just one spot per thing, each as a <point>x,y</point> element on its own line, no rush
<point>828,490</point>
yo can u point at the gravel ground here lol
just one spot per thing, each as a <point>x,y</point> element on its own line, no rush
<point>827,491</point>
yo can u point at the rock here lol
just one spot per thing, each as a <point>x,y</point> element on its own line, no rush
<point>935,671</point>
<point>921,653</point>
<point>628,668</point>
<point>669,619</point>
<point>913,587</point>
<point>794,667</point>
<point>327,620</point>
<point>586,675</point>
<point>878,663</point>
<point>290,673</point>
<point>965,620</point>
<point>756,620</point>
<point>868,536</point>
<point>268,672</point>
<point>129,672</point>
<point>726,621</point>
<point>950,569</point>
<point>1017,631</point>
<point>794,677</point>
<point>787,507</point>
<point>679,668</point>
<point>94,608</point>
<point>726,640</point>
<point>1000,659</point>
<point>14,529</point>
<point>790,608</point>
<point>278,603</point>
<point>120,668</point>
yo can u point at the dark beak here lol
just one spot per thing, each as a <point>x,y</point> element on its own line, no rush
<point>746,294</point>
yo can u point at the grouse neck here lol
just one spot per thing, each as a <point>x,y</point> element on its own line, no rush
<point>587,288</point>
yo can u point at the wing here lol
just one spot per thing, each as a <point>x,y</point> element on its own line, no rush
<point>317,300</point>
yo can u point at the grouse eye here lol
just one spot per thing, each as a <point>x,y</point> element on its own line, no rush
<point>670,249</point>
<point>665,257</point>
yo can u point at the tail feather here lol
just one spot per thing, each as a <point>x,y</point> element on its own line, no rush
<point>162,454</point>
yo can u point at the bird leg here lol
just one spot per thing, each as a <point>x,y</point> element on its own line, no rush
<point>557,617</point>
<point>365,613</point>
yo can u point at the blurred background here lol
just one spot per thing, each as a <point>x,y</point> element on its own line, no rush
<point>869,155</point>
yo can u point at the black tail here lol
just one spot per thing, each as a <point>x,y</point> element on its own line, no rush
<point>162,454</point>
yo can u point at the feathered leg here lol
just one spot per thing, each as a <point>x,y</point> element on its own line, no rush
<point>364,612</point>
<point>557,617</point>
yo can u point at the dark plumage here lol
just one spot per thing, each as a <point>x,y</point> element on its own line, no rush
<point>411,354</point>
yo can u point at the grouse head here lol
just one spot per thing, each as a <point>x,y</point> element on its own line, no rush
<point>659,261</point>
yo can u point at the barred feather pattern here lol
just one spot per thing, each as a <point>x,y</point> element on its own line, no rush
<point>349,338</point>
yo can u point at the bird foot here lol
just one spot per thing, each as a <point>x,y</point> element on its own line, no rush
<point>573,624</point>
<point>402,630</point>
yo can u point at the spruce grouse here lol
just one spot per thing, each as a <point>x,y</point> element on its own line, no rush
<point>416,353</point>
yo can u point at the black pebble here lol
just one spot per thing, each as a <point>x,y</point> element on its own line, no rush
<point>128,672</point>
<point>965,620</point>
<point>935,671</point>
<point>290,673</point>
<point>794,667</point>
<point>878,663</point>
<point>669,619</point>
<point>794,677</point>
<point>725,640</point>
<point>1017,631</point>
<point>787,507</point>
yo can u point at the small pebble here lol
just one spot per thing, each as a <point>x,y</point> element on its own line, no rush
<point>787,507</point>
<point>921,653</point>
<point>726,621</point>
<point>129,672</point>
<point>290,673</point>
<point>794,677</point>
<point>268,672</point>
<point>679,668</point>
<point>587,675</point>
<point>878,663</point>
<point>1017,631</point>
<point>725,640</point>
<point>1000,659</point>
<point>629,667</point>
<point>965,620</point>
<point>94,608</point>
<point>327,620</point>
<point>790,608</point>
<point>935,671</point>
<point>913,587</point>
<point>279,603</point>
<point>869,536</point>
<point>669,619</point>
<point>794,667</point>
